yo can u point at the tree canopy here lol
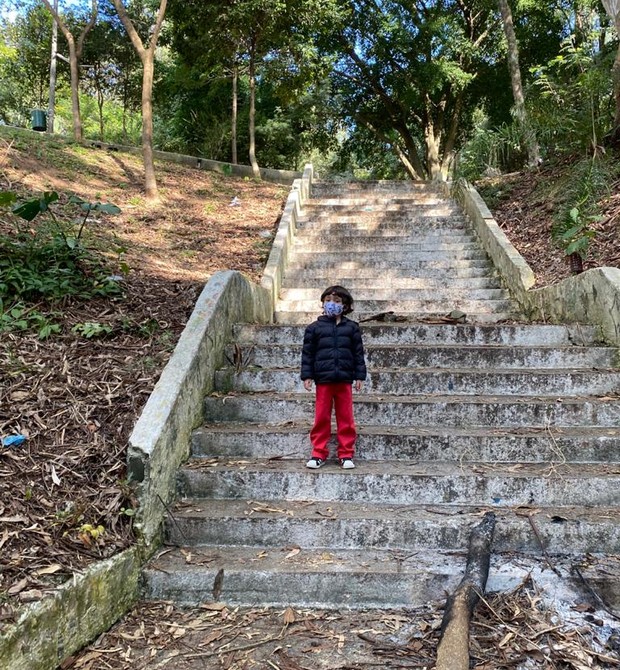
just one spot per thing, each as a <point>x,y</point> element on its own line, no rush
<point>366,87</point>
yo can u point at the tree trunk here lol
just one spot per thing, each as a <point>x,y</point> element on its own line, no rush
<point>75,53</point>
<point>147,56</point>
<point>150,181</point>
<point>453,649</point>
<point>253,162</point>
<point>233,129</point>
<point>531,144</point>
<point>75,89</point>
<point>612,7</point>
<point>433,162</point>
<point>100,100</point>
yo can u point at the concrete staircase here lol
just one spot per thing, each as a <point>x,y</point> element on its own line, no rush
<point>455,419</point>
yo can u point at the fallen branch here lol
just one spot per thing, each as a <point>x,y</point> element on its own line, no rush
<point>453,649</point>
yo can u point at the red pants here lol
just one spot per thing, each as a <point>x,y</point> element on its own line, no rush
<point>339,396</point>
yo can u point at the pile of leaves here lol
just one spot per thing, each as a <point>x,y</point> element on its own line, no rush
<point>509,630</point>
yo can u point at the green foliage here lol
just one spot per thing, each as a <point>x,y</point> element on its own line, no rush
<point>46,260</point>
<point>588,182</point>
<point>19,317</point>
<point>570,97</point>
<point>90,329</point>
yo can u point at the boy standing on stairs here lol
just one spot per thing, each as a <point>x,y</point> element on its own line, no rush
<point>333,357</point>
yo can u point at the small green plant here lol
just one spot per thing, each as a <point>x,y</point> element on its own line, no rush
<point>46,260</point>
<point>19,317</point>
<point>90,329</point>
<point>574,227</point>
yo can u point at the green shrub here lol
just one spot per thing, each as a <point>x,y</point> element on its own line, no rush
<point>46,260</point>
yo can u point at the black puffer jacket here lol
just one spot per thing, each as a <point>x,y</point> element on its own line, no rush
<point>333,353</point>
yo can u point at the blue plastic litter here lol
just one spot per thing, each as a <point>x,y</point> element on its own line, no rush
<point>13,440</point>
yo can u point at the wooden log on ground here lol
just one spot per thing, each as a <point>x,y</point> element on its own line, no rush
<point>453,649</point>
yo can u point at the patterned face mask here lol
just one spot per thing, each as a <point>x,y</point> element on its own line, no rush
<point>333,308</point>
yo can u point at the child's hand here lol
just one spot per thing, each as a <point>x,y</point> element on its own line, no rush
<point>358,384</point>
<point>308,384</point>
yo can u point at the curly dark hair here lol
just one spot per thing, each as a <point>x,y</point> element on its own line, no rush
<point>341,292</point>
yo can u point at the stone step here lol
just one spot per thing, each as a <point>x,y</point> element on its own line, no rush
<point>436,410</point>
<point>250,576</point>
<point>434,380</point>
<point>424,204</point>
<point>397,265</point>
<point>448,294</point>
<point>351,232</point>
<point>419,315</point>
<point>433,222</point>
<point>378,256</point>
<point>408,528</point>
<point>326,276</point>
<point>367,186</point>
<point>404,306</point>
<point>358,284</point>
<point>511,335</point>
<point>467,359</point>
<point>588,485</point>
<point>290,439</point>
<point>380,203</point>
<point>404,245</point>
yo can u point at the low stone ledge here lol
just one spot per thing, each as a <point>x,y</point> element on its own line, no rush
<point>273,175</point>
<point>62,623</point>
<point>160,441</point>
<point>285,235</point>
<point>591,298</point>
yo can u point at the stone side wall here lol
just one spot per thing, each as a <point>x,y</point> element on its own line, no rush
<point>52,629</point>
<point>591,298</point>
<point>283,241</point>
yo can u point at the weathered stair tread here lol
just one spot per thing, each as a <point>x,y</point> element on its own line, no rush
<point>412,333</point>
<point>290,440</point>
<point>391,356</point>
<point>316,524</point>
<point>504,484</point>
<point>316,578</point>
<point>467,382</point>
<point>487,410</point>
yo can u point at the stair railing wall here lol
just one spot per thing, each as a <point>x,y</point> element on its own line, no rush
<point>285,235</point>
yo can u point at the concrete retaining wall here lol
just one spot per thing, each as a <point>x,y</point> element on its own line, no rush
<point>160,440</point>
<point>592,297</point>
<point>283,241</point>
<point>50,630</point>
<point>268,174</point>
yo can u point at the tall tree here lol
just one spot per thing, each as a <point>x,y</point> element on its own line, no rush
<point>612,7</point>
<point>75,54</point>
<point>405,71</point>
<point>24,63</point>
<point>147,56</point>
<point>533,150</point>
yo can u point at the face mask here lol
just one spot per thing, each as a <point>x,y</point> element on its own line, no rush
<point>333,308</point>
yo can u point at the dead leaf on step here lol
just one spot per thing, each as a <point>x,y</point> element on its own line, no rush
<point>293,552</point>
<point>49,570</point>
<point>289,616</point>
